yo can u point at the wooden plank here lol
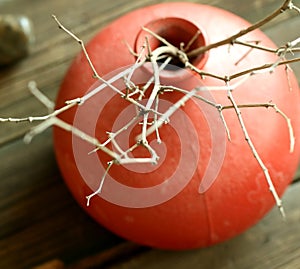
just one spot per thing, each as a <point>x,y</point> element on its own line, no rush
<point>40,221</point>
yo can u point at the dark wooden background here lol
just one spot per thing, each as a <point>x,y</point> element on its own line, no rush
<point>40,223</point>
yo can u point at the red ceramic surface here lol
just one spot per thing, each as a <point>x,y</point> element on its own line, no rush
<point>205,189</point>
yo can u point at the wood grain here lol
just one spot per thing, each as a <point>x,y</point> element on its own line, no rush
<point>40,223</point>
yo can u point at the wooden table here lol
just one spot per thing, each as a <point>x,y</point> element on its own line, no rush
<point>40,223</point>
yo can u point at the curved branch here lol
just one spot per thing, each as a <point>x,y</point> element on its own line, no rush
<point>286,5</point>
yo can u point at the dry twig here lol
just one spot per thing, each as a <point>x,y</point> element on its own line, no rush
<point>134,94</point>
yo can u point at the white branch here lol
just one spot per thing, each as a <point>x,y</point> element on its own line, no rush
<point>256,155</point>
<point>134,94</point>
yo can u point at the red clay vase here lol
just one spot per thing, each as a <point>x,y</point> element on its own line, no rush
<point>205,189</point>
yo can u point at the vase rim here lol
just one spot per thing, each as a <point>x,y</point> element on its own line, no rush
<point>179,32</point>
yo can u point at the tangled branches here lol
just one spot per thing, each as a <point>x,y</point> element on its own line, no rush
<point>149,115</point>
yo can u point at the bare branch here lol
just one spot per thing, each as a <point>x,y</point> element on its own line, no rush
<point>135,94</point>
<point>255,154</point>
<point>40,96</point>
<point>89,197</point>
<point>262,69</point>
<point>277,110</point>
<point>285,6</point>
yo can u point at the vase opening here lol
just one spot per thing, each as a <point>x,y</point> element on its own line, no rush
<point>181,33</point>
